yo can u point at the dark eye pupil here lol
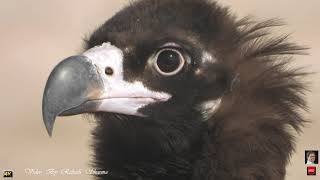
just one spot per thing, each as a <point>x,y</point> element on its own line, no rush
<point>168,61</point>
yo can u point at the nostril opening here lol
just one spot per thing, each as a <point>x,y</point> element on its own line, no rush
<point>109,71</point>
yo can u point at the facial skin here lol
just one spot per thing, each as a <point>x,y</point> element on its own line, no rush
<point>312,157</point>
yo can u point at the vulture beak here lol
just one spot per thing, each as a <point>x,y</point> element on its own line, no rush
<point>93,82</point>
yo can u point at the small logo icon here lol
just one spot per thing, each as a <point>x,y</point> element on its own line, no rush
<point>311,157</point>
<point>7,174</point>
<point>311,170</point>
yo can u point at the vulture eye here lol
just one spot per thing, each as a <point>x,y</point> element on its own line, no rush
<point>169,62</point>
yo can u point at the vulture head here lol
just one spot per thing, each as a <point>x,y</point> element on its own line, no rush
<point>182,89</point>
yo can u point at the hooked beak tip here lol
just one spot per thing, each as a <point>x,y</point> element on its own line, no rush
<point>49,126</point>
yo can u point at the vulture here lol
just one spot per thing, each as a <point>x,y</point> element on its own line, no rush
<point>184,90</point>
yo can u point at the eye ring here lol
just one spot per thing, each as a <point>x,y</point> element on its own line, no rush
<point>177,69</point>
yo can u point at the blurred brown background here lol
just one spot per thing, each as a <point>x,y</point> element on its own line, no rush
<point>36,34</point>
